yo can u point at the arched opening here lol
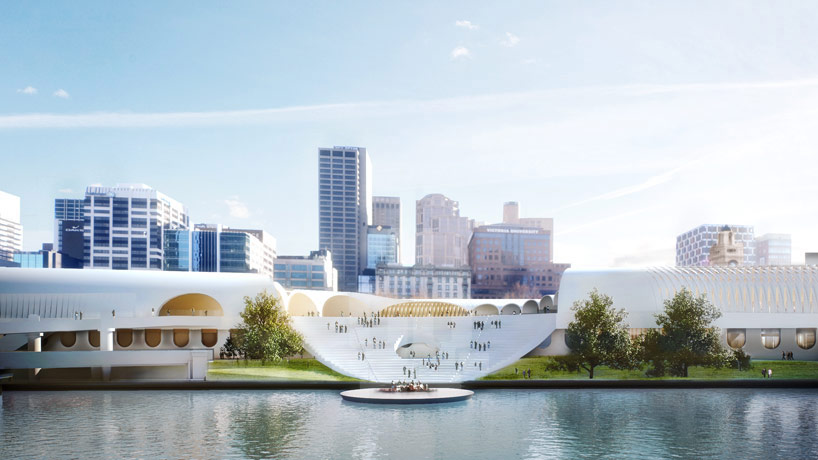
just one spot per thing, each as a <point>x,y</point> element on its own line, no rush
<point>770,338</point>
<point>93,338</point>
<point>486,309</point>
<point>511,309</point>
<point>68,339</point>
<point>153,337</point>
<point>805,338</point>
<point>301,305</point>
<point>210,337</point>
<point>736,338</point>
<point>343,305</point>
<point>191,305</point>
<point>124,337</point>
<point>547,304</point>
<point>530,307</point>
<point>417,350</point>
<point>181,337</point>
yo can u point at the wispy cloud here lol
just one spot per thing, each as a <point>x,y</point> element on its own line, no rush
<point>511,40</point>
<point>649,183</point>
<point>461,52</point>
<point>27,90</point>
<point>466,25</point>
<point>62,94</point>
<point>237,208</point>
<point>354,109</point>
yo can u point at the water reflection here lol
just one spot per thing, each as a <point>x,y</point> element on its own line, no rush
<point>494,424</point>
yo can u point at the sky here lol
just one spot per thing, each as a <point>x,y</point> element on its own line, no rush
<point>627,122</point>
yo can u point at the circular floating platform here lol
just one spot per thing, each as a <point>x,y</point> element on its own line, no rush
<point>375,396</point>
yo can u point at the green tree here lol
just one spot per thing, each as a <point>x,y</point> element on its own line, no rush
<point>686,337</point>
<point>266,331</point>
<point>598,335</point>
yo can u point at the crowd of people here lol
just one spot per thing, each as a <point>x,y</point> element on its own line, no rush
<point>480,346</point>
<point>767,373</point>
<point>526,373</point>
<point>787,355</point>
<point>339,328</point>
<point>404,386</point>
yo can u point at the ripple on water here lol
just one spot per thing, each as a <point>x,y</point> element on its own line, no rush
<point>735,423</point>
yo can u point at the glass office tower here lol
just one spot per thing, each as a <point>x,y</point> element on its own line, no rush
<point>345,205</point>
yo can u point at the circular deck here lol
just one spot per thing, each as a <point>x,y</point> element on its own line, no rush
<point>375,396</point>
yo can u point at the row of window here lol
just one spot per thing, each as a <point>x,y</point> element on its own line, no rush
<point>771,338</point>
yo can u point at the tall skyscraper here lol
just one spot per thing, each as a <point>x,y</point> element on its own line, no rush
<point>66,209</point>
<point>442,235</point>
<point>124,225</point>
<point>386,213</point>
<point>344,209</point>
<point>774,249</point>
<point>11,231</point>
<point>693,246</point>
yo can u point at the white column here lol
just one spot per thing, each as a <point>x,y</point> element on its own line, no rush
<point>35,343</point>
<point>106,343</point>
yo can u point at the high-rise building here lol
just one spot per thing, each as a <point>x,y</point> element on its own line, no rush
<point>344,209</point>
<point>442,235</point>
<point>774,249</point>
<point>213,248</point>
<point>417,282</point>
<point>386,213</point>
<point>381,246</point>
<point>46,257</point>
<point>512,261</point>
<point>313,272</point>
<point>11,231</point>
<point>66,209</point>
<point>123,226</point>
<point>693,246</point>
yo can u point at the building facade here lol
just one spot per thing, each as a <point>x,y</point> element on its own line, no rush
<point>774,249</point>
<point>386,213</point>
<point>123,226</point>
<point>313,272</point>
<point>419,282</point>
<point>381,246</point>
<point>727,252</point>
<point>344,209</point>
<point>46,257</point>
<point>213,248</point>
<point>693,246</point>
<point>67,212</point>
<point>11,231</point>
<point>512,261</point>
<point>442,234</point>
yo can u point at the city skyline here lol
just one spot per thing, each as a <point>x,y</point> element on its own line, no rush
<point>624,150</point>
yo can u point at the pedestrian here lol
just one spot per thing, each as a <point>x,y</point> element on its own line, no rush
<point>769,373</point>
<point>515,371</point>
<point>764,373</point>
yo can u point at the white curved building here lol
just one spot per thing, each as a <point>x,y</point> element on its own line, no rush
<point>141,324</point>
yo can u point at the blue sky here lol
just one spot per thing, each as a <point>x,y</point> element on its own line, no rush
<point>628,122</point>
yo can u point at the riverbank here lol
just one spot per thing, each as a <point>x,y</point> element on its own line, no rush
<point>471,385</point>
<point>291,370</point>
<point>545,368</point>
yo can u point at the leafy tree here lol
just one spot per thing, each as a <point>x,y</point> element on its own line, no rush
<point>598,334</point>
<point>686,337</point>
<point>266,331</point>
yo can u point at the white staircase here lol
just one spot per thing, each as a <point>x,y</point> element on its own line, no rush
<point>518,335</point>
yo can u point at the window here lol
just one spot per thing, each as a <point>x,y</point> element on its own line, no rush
<point>736,338</point>
<point>770,338</point>
<point>805,338</point>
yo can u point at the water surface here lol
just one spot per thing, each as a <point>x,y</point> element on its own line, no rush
<point>495,424</point>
